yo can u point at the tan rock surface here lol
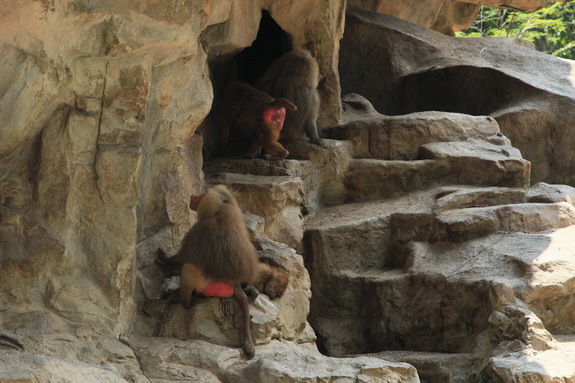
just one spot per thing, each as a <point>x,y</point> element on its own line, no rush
<point>276,362</point>
<point>444,16</point>
<point>100,106</point>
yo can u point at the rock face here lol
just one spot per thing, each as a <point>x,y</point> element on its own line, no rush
<point>441,261</point>
<point>434,242</point>
<point>444,16</point>
<point>98,150</point>
<point>98,156</point>
<point>417,231</point>
<point>421,70</point>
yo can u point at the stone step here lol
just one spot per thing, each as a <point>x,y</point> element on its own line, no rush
<point>465,163</point>
<point>337,312</point>
<point>255,166</point>
<point>461,197</point>
<point>396,310</point>
<point>477,162</point>
<point>375,235</point>
<point>522,364</point>
<point>369,180</point>
<point>320,169</point>
<point>446,296</point>
<point>465,224</point>
<point>303,155</point>
<point>361,236</point>
<point>527,365</point>
<point>399,137</point>
<point>538,269</point>
<point>548,193</point>
<point>438,367</point>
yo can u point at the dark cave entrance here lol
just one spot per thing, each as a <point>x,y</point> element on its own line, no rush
<point>248,65</point>
<point>271,42</point>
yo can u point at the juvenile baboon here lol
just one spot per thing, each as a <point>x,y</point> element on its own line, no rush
<point>270,280</point>
<point>295,76</point>
<point>257,116</point>
<point>217,250</point>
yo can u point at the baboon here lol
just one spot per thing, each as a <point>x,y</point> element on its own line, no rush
<point>217,256</point>
<point>270,280</point>
<point>295,76</point>
<point>265,278</point>
<point>257,116</point>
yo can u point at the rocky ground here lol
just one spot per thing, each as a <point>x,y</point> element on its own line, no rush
<point>421,245</point>
<point>428,245</point>
<point>427,256</point>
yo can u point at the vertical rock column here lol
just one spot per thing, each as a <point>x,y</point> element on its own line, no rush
<point>105,133</point>
<point>133,161</point>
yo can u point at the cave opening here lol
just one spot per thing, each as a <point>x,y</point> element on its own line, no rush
<point>247,65</point>
<point>271,43</point>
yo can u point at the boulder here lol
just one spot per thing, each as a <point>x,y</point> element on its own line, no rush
<point>410,68</point>
<point>164,358</point>
<point>444,16</point>
<point>520,363</point>
<point>41,346</point>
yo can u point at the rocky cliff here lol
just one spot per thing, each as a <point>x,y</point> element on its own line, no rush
<point>427,241</point>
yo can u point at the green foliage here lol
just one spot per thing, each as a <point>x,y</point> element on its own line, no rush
<point>551,29</point>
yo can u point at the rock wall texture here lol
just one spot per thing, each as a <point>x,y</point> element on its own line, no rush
<point>107,126</point>
<point>445,16</point>
<point>98,148</point>
<point>421,70</point>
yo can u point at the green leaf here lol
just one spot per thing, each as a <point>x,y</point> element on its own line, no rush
<point>552,28</point>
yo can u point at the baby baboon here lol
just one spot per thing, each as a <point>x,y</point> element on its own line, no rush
<point>295,76</point>
<point>217,254</point>
<point>270,280</point>
<point>257,116</point>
